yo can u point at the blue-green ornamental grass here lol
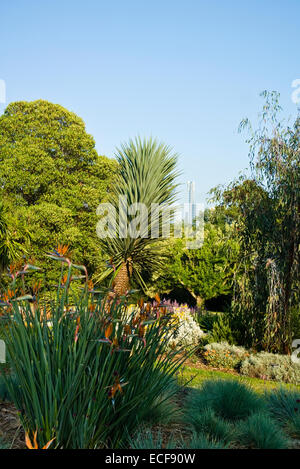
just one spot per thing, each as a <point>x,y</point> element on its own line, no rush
<point>229,399</point>
<point>147,438</point>
<point>208,423</point>
<point>259,431</point>
<point>284,407</point>
<point>201,441</point>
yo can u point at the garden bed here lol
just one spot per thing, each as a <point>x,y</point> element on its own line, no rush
<point>11,431</point>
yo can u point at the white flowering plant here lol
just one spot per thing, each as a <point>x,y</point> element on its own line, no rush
<point>186,329</point>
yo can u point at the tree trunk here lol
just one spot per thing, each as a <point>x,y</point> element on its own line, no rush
<point>121,282</point>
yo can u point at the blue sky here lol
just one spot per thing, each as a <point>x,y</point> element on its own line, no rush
<point>183,71</point>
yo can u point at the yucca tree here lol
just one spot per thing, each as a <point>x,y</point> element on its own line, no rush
<point>147,175</point>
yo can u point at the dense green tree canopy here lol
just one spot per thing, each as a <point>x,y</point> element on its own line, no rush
<point>14,238</point>
<point>206,272</point>
<point>52,177</point>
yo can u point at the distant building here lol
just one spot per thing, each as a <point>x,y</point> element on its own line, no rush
<point>192,205</point>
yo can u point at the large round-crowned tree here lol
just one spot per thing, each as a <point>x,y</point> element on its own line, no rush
<point>52,176</point>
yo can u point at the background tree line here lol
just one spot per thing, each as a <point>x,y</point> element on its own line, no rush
<point>52,180</point>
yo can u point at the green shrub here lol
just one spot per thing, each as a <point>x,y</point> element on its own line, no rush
<point>88,376</point>
<point>223,355</point>
<point>221,331</point>
<point>230,399</point>
<point>209,424</point>
<point>272,367</point>
<point>284,406</point>
<point>206,320</point>
<point>261,432</point>
<point>295,322</point>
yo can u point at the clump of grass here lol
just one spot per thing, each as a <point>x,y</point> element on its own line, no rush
<point>5,395</point>
<point>261,432</point>
<point>208,423</point>
<point>284,406</point>
<point>88,375</point>
<point>146,438</point>
<point>164,409</point>
<point>231,400</point>
<point>200,441</point>
<point>3,444</point>
<point>293,426</point>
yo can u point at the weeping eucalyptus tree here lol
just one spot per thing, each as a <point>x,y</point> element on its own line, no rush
<point>267,219</point>
<point>141,211</point>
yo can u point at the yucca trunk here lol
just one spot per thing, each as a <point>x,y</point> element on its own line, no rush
<point>122,280</point>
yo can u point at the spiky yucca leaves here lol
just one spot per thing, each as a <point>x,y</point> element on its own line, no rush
<point>147,176</point>
<point>87,377</point>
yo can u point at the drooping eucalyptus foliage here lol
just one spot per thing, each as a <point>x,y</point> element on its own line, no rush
<point>267,210</point>
<point>147,173</point>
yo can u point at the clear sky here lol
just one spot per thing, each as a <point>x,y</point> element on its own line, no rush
<point>184,71</point>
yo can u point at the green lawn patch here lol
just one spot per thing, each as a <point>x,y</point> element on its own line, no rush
<point>196,376</point>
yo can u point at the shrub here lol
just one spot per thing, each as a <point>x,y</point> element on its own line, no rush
<point>284,406</point>
<point>295,321</point>
<point>87,376</point>
<point>260,431</point>
<point>206,320</point>
<point>221,330</point>
<point>223,355</point>
<point>273,367</point>
<point>231,400</point>
<point>186,330</point>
